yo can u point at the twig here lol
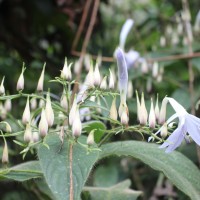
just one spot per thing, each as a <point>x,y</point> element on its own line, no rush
<point>85,43</point>
<point>82,23</point>
<point>71,193</point>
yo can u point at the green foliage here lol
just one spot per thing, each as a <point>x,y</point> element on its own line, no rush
<point>56,163</point>
<point>179,169</point>
<point>117,192</point>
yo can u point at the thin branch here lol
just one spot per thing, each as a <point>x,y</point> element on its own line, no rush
<point>82,23</point>
<point>71,193</point>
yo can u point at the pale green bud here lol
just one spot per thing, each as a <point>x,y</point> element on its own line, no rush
<point>41,80</point>
<point>103,85</point>
<point>2,88</point>
<point>49,111</point>
<point>5,158</point>
<point>43,125</point>
<point>97,76</point>
<point>26,117</point>
<point>77,126</point>
<point>113,110</point>
<point>28,133</point>
<point>90,138</point>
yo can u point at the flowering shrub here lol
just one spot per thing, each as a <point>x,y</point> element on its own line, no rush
<point>69,134</point>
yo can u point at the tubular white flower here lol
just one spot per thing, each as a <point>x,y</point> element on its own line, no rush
<point>26,117</point>
<point>43,125</point>
<point>2,88</point>
<point>72,113</point>
<point>97,76</point>
<point>41,80</point>
<point>90,138</point>
<point>77,126</point>
<point>113,110</point>
<point>152,117</point>
<point>28,133</point>
<point>8,105</point>
<point>49,111</point>
<point>111,81</point>
<point>5,158</point>
<point>20,82</point>
<point>103,85</point>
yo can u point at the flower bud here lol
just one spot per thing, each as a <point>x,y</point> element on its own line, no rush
<point>155,70</point>
<point>76,125</point>
<point>90,138</point>
<point>157,111</point>
<point>97,76</point>
<point>143,111</point>
<point>8,105</point>
<point>41,103</point>
<point>103,85</point>
<point>72,113</point>
<point>28,133</point>
<point>63,101</point>
<point>41,80</point>
<point>43,125</point>
<point>20,82</point>
<point>124,115</point>
<point>49,111</point>
<point>5,158</point>
<point>77,67</point>
<point>113,110</point>
<point>138,106</point>
<point>130,89</point>
<point>33,103</point>
<point>66,71</point>
<point>26,117</point>
<point>152,117</point>
<point>8,127</point>
<point>3,111</point>
<point>111,80</point>
<point>35,137</point>
<point>90,77</point>
<point>163,131</point>
<point>2,88</point>
<point>144,66</point>
<point>162,114</point>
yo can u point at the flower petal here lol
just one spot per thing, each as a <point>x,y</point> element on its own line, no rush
<point>179,109</point>
<point>193,127</point>
<point>174,140</point>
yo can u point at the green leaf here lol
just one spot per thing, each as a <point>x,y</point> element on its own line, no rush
<point>99,129</point>
<point>178,168</point>
<point>56,164</point>
<point>22,172</point>
<point>116,192</point>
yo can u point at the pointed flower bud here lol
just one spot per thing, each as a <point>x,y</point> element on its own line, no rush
<point>111,81</point>
<point>122,74</point>
<point>63,100</point>
<point>8,105</point>
<point>113,110</point>
<point>20,82</point>
<point>124,115</point>
<point>138,106</point>
<point>90,138</point>
<point>49,111</point>
<point>8,127</point>
<point>41,80</point>
<point>35,137</point>
<point>28,133</point>
<point>43,125</point>
<point>66,71</point>
<point>33,103</point>
<point>103,85</point>
<point>164,131</point>
<point>76,126</point>
<point>2,88</point>
<point>162,114</point>
<point>72,113</point>
<point>5,158</point>
<point>41,103</point>
<point>152,117</point>
<point>97,76</point>
<point>26,117</point>
<point>130,89</point>
<point>90,77</point>
<point>143,111</point>
<point>157,110</point>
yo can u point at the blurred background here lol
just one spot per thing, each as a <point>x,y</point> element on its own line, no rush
<point>41,31</point>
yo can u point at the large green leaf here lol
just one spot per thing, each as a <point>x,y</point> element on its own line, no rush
<point>116,192</point>
<point>178,168</point>
<point>56,164</point>
<point>22,172</point>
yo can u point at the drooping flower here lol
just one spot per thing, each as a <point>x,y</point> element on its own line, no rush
<point>188,124</point>
<point>122,74</point>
